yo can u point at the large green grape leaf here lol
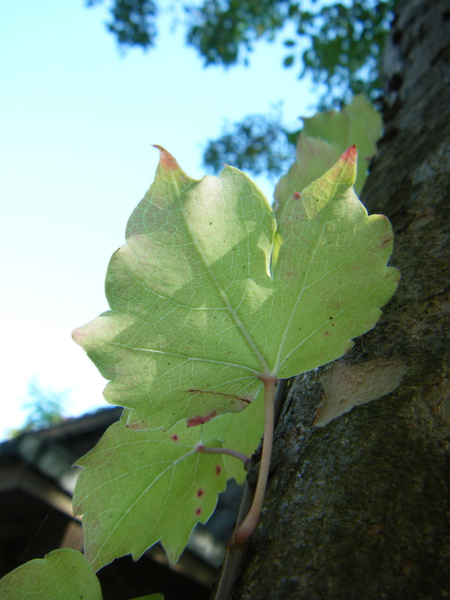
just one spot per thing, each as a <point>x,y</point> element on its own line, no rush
<point>63,574</point>
<point>141,487</point>
<point>324,138</point>
<point>210,294</point>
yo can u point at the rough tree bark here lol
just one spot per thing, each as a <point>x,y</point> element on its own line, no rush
<point>360,509</point>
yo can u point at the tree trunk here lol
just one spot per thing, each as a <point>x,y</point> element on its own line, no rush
<point>360,508</point>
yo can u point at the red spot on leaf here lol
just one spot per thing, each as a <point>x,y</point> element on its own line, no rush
<point>296,195</point>
<point>200,419</point>
<point>174,437</point>
<point>200,492</point>
<point>218,470</point>
<point>198,511</point>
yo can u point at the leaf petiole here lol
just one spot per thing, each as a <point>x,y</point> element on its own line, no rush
<point>229,451</point>
<point>247,527</point>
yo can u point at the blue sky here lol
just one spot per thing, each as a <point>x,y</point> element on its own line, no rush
<point>77,120</point>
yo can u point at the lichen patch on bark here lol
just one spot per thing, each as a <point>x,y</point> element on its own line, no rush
<point>348,386</point>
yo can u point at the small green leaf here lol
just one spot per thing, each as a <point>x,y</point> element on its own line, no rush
<point>62,575</point>
<point>288,61</point>
<point>141,487</point>
<point>143,456</point>
<point>323,139</point>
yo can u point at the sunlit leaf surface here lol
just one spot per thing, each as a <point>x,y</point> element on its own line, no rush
<point>142,487</point>
<point>209,294</point>
<point>324,138</point>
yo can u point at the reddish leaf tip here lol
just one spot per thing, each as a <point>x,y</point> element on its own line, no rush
<point>78,336</point>
<point>166,160</point>
<point>350,155</point>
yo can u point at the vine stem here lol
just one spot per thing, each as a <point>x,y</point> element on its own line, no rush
<point>229,451</point>
<point>247,527</point>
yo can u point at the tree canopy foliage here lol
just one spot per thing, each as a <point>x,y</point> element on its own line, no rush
<point>338,44</point>
<point>45,407</point>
